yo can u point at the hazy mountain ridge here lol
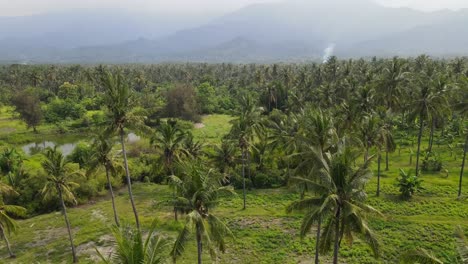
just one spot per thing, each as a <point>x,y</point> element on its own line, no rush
<point>295,30</point>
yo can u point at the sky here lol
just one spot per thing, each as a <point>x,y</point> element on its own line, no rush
<point>27,7</point>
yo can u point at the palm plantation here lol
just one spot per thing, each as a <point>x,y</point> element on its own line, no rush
<point>302,135</point>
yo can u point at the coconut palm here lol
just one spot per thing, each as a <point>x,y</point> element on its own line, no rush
<point>224,156</point>
<point>244,129</point>
<point>199,190</point>
<point>426,104</point>
<point>7,224</point>
<point>130,248</point>
<point>119,100</point>
<point>169,138</point>
<point>318,132</point>
<point>462,108</point>
<point>389,84</point>
<point>384,141</point>
<point>10,165</point>
<point>340,200</point>
<point>283,134</point>
<point>60,183</point>
<point>101,156</point>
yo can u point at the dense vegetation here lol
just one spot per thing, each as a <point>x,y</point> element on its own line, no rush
<point>365,151</point>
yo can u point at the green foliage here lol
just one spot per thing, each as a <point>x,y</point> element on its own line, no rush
<point>28,106</point>
<point>131,248</point>
<point>181,103</point>
<point>207,99</point>
<point>59,110</point>
<point>431,162</point>
<point>409,184</point>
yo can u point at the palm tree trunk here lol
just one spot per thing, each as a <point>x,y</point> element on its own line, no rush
<point>431,136</point>
<point>386,160</point>
<point>243,175</point>
<point>199,245</point>
<point>10,252</point>
<point>174,195</point>
<point>317,240</point>
<point>378,174</point>
<point>247,155</point>
<point>65,215</point>
<point>421,122</point>
<point>366,155</point>
<point>111,191</point>
<point>127,174</point>
<point>336,248</point>
<point>462,167</point>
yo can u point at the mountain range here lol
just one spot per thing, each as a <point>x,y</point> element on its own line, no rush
<point>293,30</point>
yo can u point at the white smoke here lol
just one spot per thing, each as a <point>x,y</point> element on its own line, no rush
<point>328,52</point>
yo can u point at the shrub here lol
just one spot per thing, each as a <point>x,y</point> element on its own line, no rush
<point>431,162</point>
<point>409,184</point>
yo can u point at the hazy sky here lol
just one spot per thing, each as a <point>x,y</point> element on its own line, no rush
<point>25,7</point>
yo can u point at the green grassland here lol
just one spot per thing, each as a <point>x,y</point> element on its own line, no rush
<point>264,232</point>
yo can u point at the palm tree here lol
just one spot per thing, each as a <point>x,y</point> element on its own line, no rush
<point>7,224</point>
<point>317,132</point>
<point>224,156</point>
<point>119,100</point>
<point>131,249</point>
<point>59,182</point>
<point>369,132</point>
<point>199,190</point>
<point>384,139</point>
<point>340,200</point>
<point>10,164</point>
<point>169,138</point>
<point>394,74</point>
<point>426,105</point>
<point>462,107</point>
<point>101,156</point>
<point>244,129</point>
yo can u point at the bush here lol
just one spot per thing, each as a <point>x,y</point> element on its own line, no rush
<point>59,110</point>
<point>272,179</point>
<point>408,184</point>
<point>431,163</point>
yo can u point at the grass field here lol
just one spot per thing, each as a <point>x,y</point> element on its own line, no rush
<point>264,233</point>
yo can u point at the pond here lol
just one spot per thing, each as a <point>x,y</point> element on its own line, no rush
<point>65,143</point>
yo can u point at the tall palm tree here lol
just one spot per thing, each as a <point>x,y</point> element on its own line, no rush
<point>426,104</point>
<point>169,138</point>
<point>244,129</point>
<point>130,248</point>
<point>284,130</point>
<point>59,183</point>
<point>462,108</point>
<point>119,100</point>
<point>340,200</point>
<point>7,224</point>
<point>102,156</point>
<point>224,156</point>
<point>199,190</point>
<point>384,141</point>
<point>318,132</point>
<point>389,84</point>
